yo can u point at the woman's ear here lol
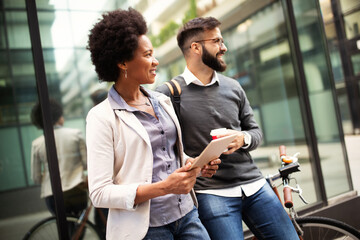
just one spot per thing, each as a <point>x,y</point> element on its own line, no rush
<point>122,66</point>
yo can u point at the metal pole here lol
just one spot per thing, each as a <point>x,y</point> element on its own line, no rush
<point>304,94</point>
<point>48,128</point>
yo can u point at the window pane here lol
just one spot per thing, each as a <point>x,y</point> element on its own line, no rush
<point>55,29</point>
<point>352,25</point>
<point>81,23</point>
<point>11,166</point>
<point>17,29</point>
<point>2,32</point>
<point>321,96</point>
<point>14,4</point>
<point>92,5</point>
<point>7,109</point>
<point>355,59</point>
<point>347,5</point>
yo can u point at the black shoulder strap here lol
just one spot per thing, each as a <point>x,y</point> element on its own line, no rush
<point>175,91</point>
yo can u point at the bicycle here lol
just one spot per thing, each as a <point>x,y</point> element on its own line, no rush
<point>308,227</point>
<point>79,228</point>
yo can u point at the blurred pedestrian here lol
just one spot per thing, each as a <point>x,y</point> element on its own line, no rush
<point>98,96</point>
<point>71,153</point>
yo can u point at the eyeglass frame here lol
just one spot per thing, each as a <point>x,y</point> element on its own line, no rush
<point>219,41</point>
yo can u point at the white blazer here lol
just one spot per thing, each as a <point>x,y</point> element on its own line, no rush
<point>71,153</point>
<point>120,158</point>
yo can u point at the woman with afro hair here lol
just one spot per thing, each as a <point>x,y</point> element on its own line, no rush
<point>136,164</point>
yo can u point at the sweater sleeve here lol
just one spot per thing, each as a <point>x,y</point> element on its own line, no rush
<point>163,88</point>
<point>248,122</point>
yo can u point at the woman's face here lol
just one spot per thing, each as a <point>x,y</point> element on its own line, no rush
<point>142,68</point>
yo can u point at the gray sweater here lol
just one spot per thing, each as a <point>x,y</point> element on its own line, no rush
<point>221,105</point>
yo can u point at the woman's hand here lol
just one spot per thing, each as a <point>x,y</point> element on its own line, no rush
<point>182,180</point>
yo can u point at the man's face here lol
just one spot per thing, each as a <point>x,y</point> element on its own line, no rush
<point>213,61</point>
<point>213,50</point>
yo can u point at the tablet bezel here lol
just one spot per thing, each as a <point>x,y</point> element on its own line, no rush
<point>213,150</point>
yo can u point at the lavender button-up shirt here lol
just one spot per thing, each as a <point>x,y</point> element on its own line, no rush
<point>163,136</point>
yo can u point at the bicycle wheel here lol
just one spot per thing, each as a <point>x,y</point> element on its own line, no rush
<point>47,230</point>
<point>325,228</point>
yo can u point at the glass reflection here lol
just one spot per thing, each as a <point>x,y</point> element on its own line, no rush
<point>260,59</point>
<point>352,25</point>
<point>333,162</point>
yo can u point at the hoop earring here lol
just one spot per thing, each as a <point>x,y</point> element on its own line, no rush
<point>125,73</point>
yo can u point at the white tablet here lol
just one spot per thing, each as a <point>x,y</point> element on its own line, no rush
<point>213,150</point>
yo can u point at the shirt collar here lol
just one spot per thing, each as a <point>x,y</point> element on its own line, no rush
<point>189,77</point>
<point>117,102</point>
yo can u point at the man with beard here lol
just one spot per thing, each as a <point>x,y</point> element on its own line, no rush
<point>210,100</point>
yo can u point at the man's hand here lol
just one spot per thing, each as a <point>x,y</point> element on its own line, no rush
<point>209,169</point>
<point>237,143</point>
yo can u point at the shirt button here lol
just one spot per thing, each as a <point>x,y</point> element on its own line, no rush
<point>162,132</point>
<point>169,166</point>
<point>163,149</point>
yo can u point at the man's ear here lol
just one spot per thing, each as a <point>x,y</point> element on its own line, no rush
<point>196,48</point>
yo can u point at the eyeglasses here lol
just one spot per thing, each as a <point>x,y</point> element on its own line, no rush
<point>218,41</point>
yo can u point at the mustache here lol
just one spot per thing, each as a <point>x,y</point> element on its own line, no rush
<point>220,52</point>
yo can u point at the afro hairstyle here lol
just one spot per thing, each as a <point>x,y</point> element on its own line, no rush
<point>114,40</point>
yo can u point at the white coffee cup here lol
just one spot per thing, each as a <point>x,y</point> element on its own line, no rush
<point>216,132</point>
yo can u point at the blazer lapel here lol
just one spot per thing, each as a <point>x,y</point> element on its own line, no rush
<point>134,123</point>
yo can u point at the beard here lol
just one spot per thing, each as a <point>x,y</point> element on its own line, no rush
<point>213,62</point>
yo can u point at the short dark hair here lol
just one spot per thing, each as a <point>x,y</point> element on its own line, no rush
<point>194,28</point>
<point>98,96</point>
<point>114,40</point>
<point>56,112</point>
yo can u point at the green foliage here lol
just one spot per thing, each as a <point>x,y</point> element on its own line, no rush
<point>191,13</point>
<point>171,28</point>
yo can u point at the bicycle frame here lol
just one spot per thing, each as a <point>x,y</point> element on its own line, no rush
<point>288,165</point>
<point>84,218</point>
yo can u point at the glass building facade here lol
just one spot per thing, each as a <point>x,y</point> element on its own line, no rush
<point>298,61</point>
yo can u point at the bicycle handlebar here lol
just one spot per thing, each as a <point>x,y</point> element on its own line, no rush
<point>282,150</point>
<point>288,167</point>
<point>284,172</point>
<point>288,201</point>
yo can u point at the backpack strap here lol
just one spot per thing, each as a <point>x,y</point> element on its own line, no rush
<point>175,91</point>
<point>174,87</point>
